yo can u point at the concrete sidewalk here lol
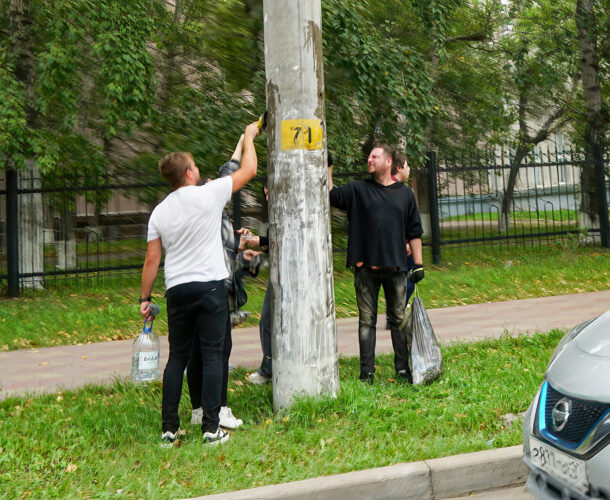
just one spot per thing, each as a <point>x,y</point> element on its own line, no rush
<point>68,367</point>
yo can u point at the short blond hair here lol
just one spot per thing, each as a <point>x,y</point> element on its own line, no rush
<point>173,167</point>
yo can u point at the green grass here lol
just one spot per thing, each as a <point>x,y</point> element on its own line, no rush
<point>102,442</point>
<point>542,215</point>
<point>78,311</point>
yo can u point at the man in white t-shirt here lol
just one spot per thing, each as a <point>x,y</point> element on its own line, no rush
<point>187,225</point>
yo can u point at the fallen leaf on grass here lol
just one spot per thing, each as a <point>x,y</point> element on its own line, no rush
<point>239,383</point>
<point>71,468</point>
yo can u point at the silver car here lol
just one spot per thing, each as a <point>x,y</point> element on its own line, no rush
<point>566,430</point>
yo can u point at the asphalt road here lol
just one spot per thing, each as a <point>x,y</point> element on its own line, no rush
<point>518,493</point>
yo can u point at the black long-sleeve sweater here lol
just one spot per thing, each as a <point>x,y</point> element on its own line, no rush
<point>381,218</point>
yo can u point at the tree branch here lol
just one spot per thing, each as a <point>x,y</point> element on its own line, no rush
<point>473,37</point>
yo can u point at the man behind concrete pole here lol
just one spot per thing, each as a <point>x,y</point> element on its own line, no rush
<point>382,214</point>
<point>187,224</point>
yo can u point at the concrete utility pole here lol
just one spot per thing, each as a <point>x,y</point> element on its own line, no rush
<point>304,340</point>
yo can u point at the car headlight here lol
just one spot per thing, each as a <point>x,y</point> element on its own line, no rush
<point>569,337</point>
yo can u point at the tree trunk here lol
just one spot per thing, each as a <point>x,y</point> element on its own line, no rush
<point>595,126</point>
<point>526,142</point>
<point>507,199</point>
<point>31,232</point>
<point>304,342</point>
<point>66,245</point>
<point>420,177</point>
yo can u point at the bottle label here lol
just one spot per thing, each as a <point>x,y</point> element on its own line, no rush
<point>148,361</point>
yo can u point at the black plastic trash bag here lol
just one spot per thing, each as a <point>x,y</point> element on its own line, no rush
<point>426,358</point>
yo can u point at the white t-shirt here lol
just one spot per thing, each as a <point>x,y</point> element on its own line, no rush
<point>188,223</point>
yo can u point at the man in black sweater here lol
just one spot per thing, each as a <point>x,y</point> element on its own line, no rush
<point>382,217</point>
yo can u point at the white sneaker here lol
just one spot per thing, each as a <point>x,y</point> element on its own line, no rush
<point>215,438</point>
<point>197,416</point>
<point>227,419</point>
<point>257,378</point>
<point>169,439</point>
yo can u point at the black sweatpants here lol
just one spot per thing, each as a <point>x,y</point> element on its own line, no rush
<point>193,371</point>
<point>195,309</point>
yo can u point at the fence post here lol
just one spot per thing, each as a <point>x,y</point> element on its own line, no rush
<point>12,238</point>
<point>598,160</point>
<point>435,232</point>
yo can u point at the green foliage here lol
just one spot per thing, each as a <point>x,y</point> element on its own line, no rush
<point>91,76</point>
<point>117,84</point>
<point>13,123</point>
<point>210,86</point>
<point>374,82</point>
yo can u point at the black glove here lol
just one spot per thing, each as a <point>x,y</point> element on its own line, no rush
<point>417,274</point>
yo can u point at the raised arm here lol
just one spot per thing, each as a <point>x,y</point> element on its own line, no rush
<point>247,169</point>
<point>330,171</point>
<point>238,149</point>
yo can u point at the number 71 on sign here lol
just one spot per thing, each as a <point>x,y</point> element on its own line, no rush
<point>302,134</point>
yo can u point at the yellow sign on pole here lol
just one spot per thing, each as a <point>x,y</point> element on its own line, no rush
<point>302,134</point>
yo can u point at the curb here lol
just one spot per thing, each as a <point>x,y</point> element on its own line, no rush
<point>426,480</point>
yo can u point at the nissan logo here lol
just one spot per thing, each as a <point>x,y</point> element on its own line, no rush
<point>561,413</point>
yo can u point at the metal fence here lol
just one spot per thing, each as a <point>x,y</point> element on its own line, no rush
<point>472,201</point>
<point>62,228</point>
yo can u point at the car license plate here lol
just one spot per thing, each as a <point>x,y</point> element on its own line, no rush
<point>559,465</point>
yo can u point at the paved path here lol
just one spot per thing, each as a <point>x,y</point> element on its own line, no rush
<point>514,493</point>
<point>67,367</point>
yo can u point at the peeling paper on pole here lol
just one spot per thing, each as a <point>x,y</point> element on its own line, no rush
<point>302,134</point>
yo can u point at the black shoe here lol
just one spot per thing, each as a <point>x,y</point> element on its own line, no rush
<point>368,378</point>
<point>404,376</point>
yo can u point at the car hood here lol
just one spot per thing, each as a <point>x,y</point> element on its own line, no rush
<point>582,369</point>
